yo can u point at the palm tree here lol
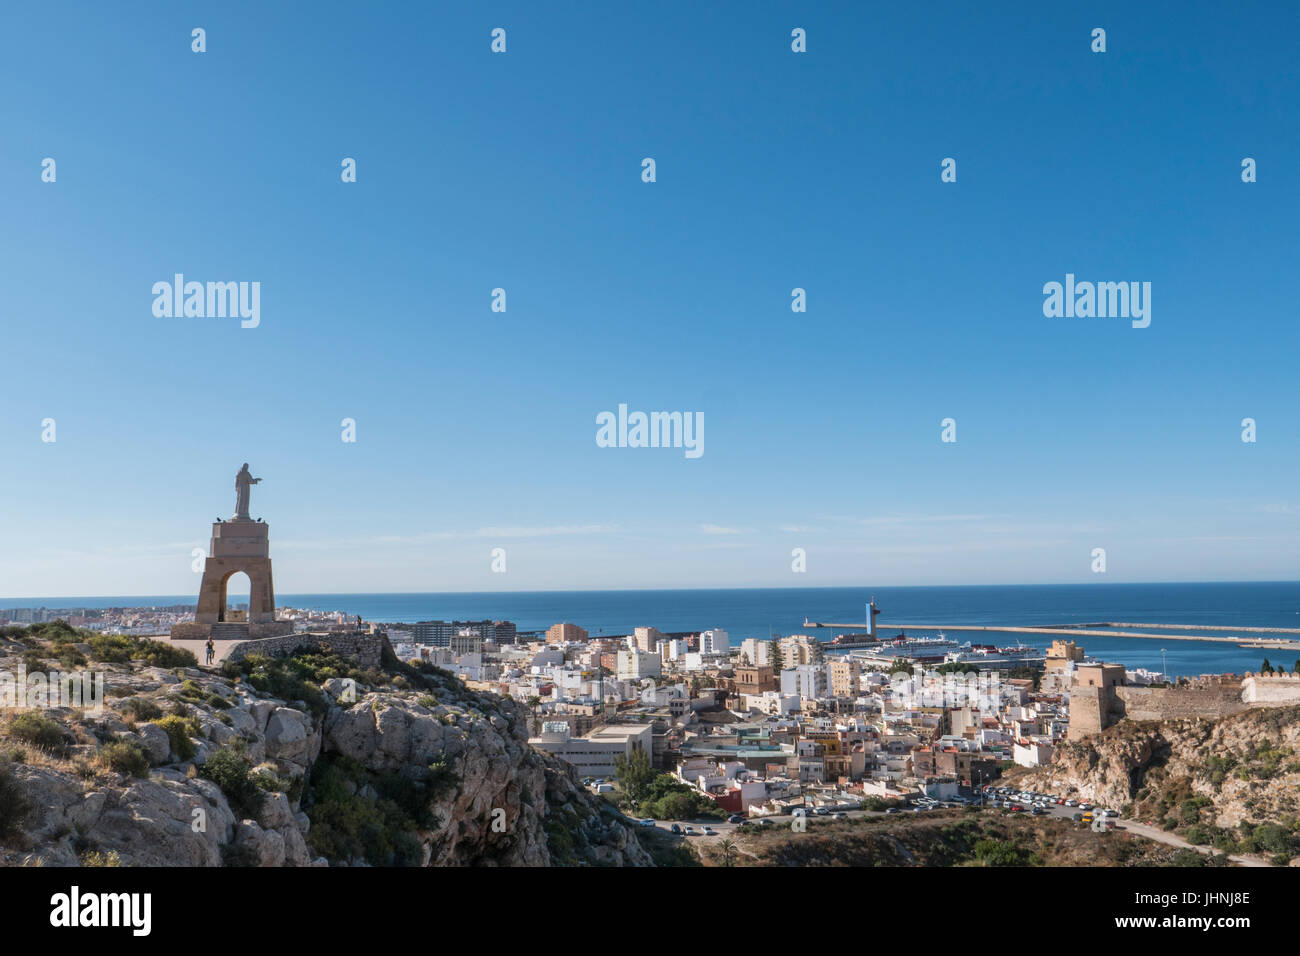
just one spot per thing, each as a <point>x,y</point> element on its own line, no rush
<point>728,848</point>
<point>532,708</point>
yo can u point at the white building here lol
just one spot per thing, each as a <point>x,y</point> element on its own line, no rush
<point>715,641</point>
<point>593,755</point>
<point>1031,753</point>
<point>636,665</point>
<point>759,653</point>
<point>671,650</point>
<point>807,681</point>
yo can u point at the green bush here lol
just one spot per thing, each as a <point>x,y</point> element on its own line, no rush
<point>123,756</point>
<point>138,708</point>
<point>179,731</point>
<point>39,731</point>
<point>59,632</point>
<point>69,657</point>
<point>1002,853</point>
<point>231,770</point>
<point>290,678</point>
<point>381,829</point>
<point>121,649</point>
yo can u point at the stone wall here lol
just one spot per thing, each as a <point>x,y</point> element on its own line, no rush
<point>1208,698</point>
<point>1271,690</point>
<point>1093,709</point>
<point>366,649</point>
<point>194,631</point>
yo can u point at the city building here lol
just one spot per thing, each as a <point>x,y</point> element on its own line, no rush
<point>566,633</point>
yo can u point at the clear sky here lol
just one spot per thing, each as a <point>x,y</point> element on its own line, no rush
<point>775,170</point>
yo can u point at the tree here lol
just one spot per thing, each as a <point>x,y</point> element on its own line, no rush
<point>634,774</point>
<point>728,848</point>
<point>1266,667</point>
<point>532,708</point>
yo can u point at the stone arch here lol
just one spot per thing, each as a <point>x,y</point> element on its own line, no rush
<point>218,571</point>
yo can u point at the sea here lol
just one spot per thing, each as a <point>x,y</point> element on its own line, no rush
<point>764,612</point>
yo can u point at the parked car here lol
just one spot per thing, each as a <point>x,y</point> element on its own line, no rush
<point>1112,813</point>
<point>799,812</point>
<point>690,831</point>
<point>737,818</point>
<point>891,809</point>
<point>1071,803</point>
<point>764,823</point>
<point>1077,817</point>
<point>676,828</point>
<point>647,822</point>
<point>709,831</point>
<point>839,816</point>
<point>822,811</point>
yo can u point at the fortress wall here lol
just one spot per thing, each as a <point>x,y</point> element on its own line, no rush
<point>1210,699</point>
<point>1271,690</point>
<point>366,649</point>
<point>1092,709</point>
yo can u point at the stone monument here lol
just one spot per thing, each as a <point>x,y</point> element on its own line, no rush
<point>238,544</point>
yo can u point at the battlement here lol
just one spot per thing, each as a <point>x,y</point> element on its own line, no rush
<point>1276,675</point>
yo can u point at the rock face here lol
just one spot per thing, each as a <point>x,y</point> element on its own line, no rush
<point>498,812</point>
<point>1241,768</point>
<point>483,796</point>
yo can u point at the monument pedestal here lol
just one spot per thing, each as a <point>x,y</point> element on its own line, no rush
<point>239,544</point>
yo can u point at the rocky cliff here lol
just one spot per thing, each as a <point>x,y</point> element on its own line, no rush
<point>1233,782</point>
<point>302,761</point>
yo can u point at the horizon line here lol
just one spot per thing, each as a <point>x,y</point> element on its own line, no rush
<point>828,587</point>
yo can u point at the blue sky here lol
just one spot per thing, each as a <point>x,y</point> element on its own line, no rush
<point>775,170</point>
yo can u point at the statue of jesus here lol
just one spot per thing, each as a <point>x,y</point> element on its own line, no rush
<point>243,482</point>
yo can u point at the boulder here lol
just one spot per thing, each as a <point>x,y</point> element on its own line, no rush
<point>156,744</point>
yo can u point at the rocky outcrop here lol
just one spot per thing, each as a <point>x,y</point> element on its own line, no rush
<point>443,775</point>
<point>1240,768</point>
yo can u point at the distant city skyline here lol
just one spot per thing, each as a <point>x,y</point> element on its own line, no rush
<point>775,171</point>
